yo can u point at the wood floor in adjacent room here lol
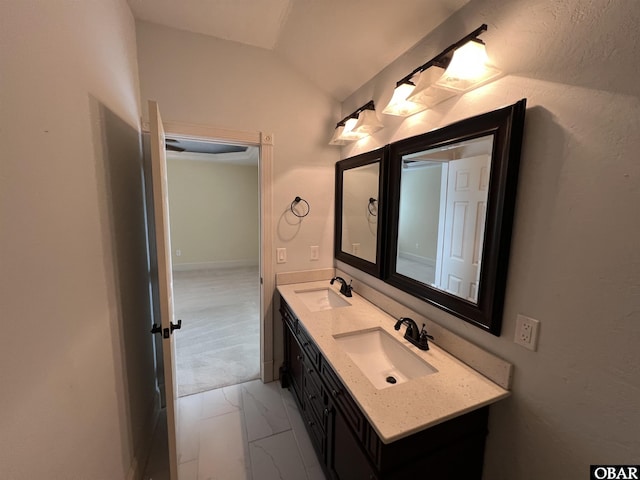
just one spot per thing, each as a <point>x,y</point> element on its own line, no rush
<point>219,343</point>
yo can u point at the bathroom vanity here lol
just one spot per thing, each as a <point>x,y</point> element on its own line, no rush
<point>429,422</point>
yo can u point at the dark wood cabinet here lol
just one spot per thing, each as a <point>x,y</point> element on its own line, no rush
<point>346,458</point>
<point>347,445</point>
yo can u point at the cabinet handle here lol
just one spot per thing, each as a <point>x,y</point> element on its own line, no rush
<point>335,393</point>
<point>305,344</point>
<point>327,411</point>
<point>309,370</point>
<point>298,357</point>
<point>311,396</point>
<point>311,423</point>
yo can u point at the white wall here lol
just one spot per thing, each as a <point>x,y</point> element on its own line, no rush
<point>75,356</point>
<point>213,208</point>
<point>358,225</point>
<point>575,261</point>
<point>418,229</point>
<point>202,80</point>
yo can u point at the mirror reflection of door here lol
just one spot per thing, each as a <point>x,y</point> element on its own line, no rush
<point>465,214</point>
<point>442,216</point>
<point>359,211</point>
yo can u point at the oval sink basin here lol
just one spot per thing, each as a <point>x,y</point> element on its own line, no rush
<point>382,359</point>
<point>321,299</point>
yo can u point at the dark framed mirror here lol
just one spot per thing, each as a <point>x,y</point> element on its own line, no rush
<point>450,206</point>
<point>360,217</point>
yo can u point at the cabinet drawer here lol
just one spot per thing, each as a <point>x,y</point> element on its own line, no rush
<point>316,430</point>
<point>314,398</point>
<point>288,316</point>
<point>308,346</point>
<point>343,400</point>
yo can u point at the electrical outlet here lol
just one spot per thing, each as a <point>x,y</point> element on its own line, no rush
<point>314,253</point>
<point>281,255</point>
<point>527,332</point>
<point>178,253</point>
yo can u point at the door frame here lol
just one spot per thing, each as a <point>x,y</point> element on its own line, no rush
<point>267,268</point>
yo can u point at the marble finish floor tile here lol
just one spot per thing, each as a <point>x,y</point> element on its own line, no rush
<point>277,458</point>
<point>251,431</point>
<point>264,411</point>
<point>223,448</point>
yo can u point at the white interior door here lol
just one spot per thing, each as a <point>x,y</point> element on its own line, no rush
<point>465,214</point>
<point>165,279</point>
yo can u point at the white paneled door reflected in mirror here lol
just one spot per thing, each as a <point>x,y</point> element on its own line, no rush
<point>442,213</point>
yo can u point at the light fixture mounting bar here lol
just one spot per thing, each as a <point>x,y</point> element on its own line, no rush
<point>440,60</point>
<point>367,106</point>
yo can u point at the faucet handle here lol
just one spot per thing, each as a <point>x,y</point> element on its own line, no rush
<point>348,288</point>
<point>425,337</point>
<point>423,331</point>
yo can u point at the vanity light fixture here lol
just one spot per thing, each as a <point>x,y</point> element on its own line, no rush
<point>359,124</point>
<point>469,68</point>
<point>399,105</point>
<point>459,68</point>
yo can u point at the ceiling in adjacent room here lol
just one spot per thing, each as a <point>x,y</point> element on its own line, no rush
<point>205,151</point>
<point>340,44</point>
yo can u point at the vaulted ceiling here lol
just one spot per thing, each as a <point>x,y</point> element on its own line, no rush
<point>338,44</point>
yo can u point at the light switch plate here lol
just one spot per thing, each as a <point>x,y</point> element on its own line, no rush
<point>281,255</point>
<point>314,253</point>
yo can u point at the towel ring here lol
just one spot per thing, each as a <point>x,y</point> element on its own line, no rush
<point>296,201</point>
<point>372,204</point>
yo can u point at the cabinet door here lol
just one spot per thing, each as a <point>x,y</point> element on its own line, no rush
<point>295,364</point>
<point>346,460</point>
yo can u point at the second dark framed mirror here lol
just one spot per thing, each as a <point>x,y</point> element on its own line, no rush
<point>451,204</point>
<point>360,218</point>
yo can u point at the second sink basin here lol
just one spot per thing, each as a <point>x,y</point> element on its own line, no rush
<point>383,360</point>
<point>321,299</point>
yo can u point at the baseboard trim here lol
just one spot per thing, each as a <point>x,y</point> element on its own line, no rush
<point>268,375</point>
<point>186,267</point>
<point>418,258</point>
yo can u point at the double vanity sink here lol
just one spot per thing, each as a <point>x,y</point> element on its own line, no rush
<point>317,299</point>
<point>359,342</point>
<point>380,357</point>
<point>375,406</point>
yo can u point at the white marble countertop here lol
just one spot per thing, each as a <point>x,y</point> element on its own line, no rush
<point>404,408</point>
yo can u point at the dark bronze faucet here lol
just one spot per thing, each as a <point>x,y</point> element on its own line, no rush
<point>344,288</point>
<point>419,338</point>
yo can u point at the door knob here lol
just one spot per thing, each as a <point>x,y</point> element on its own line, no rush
<point>174,326</point>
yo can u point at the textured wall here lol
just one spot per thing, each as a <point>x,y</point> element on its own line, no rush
<point>575,261</point>
<point>75,353</point>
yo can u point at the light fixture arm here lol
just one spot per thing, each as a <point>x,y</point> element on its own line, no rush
<point>367,106</point>
<point>443,58</point>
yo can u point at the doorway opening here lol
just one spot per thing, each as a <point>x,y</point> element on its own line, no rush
<point>214,211</point>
